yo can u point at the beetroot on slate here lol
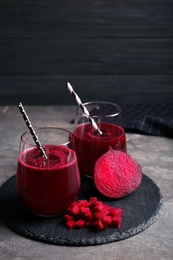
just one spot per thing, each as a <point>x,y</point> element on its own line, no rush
<point>117,174</point>
<point>93,214</point>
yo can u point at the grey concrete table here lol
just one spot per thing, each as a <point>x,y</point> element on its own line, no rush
<point>155,155</point>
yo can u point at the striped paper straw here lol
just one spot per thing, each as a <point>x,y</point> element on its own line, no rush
<point>84,109</point>
<point>32,131</point>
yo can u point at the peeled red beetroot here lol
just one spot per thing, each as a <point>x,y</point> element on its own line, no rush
<point>117,174</point>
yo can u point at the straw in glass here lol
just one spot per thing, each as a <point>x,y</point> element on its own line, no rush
<point>32,131</point>
<point>84,109</point>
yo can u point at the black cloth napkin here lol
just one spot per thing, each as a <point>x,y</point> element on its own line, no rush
<point>152,119</point>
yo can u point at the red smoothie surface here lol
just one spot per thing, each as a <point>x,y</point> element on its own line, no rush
<point>48,187</point>
<point>90,145</point>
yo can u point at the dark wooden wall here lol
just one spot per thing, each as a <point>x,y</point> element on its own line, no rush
<point>114,50</point>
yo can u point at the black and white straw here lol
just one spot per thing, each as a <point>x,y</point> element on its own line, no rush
<point>84,109</point>
<point>32,131</point>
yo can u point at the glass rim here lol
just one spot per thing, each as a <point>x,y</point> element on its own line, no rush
<point>119,110</point>
<point>44,128</point>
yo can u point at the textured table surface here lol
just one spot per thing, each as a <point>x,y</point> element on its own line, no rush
<point>155,155</point>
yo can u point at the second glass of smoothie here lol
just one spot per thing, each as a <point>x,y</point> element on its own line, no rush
<point>48,186</point>
<point>89,144</point>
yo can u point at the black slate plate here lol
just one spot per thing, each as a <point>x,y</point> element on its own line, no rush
<point>140,209</point>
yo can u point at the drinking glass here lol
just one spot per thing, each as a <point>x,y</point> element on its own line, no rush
<point>89,144</point>
<point>48,186</point>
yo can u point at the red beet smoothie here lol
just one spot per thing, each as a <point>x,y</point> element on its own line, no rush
<point>48,188</point>
<point>90,145</point>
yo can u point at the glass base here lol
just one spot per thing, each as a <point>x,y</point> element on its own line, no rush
<point>88,176</point>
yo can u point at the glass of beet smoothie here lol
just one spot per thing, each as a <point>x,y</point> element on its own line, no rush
<point>89,143</point>
<point>48,186</point>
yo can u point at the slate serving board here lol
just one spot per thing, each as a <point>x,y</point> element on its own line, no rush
<point>140,209</point>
